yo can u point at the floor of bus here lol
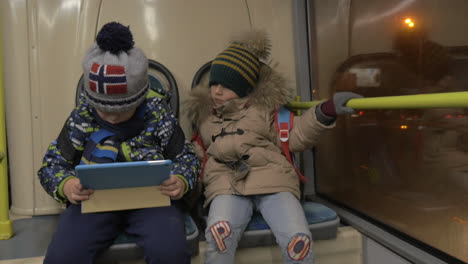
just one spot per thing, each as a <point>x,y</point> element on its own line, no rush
<point>28,246</point>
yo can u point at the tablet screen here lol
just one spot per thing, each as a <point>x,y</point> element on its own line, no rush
<point>123,174</point>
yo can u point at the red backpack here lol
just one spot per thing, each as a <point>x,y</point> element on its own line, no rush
<point>284,122</point>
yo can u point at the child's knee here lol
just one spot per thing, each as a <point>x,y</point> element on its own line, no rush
<point>299,248</point>
<point>220,233</point>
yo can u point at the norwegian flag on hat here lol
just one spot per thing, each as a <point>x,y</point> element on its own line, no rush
<point>107,79</point>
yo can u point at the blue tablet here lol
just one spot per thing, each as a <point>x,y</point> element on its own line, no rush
<point>123,174</point>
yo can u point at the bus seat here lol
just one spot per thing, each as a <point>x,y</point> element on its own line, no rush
<point>162,84</point>
<point>125,247</point>
<point>323,221</point>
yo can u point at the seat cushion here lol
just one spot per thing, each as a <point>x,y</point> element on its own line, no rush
<point>314,212</point>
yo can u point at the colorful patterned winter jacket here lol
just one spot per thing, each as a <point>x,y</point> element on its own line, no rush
<point>161,138</point>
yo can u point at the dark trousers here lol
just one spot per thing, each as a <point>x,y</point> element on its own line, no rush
<point>79,238</point>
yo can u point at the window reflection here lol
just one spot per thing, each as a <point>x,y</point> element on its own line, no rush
<point>405,168</point>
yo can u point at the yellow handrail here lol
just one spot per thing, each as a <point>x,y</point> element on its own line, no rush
<point>6,226</point>
<point>420,101</point>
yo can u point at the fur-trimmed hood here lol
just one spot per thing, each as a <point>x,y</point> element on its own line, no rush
<point>272,91</point>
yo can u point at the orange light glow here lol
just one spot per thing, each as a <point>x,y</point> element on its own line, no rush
<point>409,22</point>
<point>459,220</point>
<point>403,127</point>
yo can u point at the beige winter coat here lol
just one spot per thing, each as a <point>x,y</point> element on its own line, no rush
<point>247,158</point>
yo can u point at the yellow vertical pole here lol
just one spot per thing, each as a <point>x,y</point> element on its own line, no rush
<point>6,226</point>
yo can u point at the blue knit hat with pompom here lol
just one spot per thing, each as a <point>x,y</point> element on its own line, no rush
<point>115,72</point>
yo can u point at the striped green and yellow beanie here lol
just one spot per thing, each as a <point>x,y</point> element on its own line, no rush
<point>237,67</point>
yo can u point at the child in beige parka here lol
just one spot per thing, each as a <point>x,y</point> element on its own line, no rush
<point>245,167</point>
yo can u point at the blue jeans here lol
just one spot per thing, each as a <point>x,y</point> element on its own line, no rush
<point>229,215</point>
<point>79,238</point>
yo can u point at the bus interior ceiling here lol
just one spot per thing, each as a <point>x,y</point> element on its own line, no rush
<point>404,168</point>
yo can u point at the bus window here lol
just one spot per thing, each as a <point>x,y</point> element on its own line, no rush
<point>406,169</point>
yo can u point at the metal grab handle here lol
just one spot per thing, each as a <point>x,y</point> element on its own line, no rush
<point>420,101</point>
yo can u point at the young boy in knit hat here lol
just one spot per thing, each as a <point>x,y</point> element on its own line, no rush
<point>245,167</point>
<point>117,116</point>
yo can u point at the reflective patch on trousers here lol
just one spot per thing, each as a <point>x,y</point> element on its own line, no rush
<point>220,231</point>
<point>299,247</point>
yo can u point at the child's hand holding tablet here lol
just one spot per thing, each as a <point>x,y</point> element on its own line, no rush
<point>123,174</point>
<point>127,185</point>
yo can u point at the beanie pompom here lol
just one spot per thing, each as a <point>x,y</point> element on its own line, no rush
<point>256,42</point>
<point>115,37</point>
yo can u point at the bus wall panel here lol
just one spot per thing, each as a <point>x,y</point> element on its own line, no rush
<point>17,102</point>
<point>46,41</point>
<point>59,34</point>
<point>275,17</point>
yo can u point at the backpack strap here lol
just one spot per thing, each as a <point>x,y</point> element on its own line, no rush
<point>284,122</point>
<point>196,137</point>
<point>99,150</point>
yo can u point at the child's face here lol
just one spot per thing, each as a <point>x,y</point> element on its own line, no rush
<point>116,118</point>
<point>220,94</point>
